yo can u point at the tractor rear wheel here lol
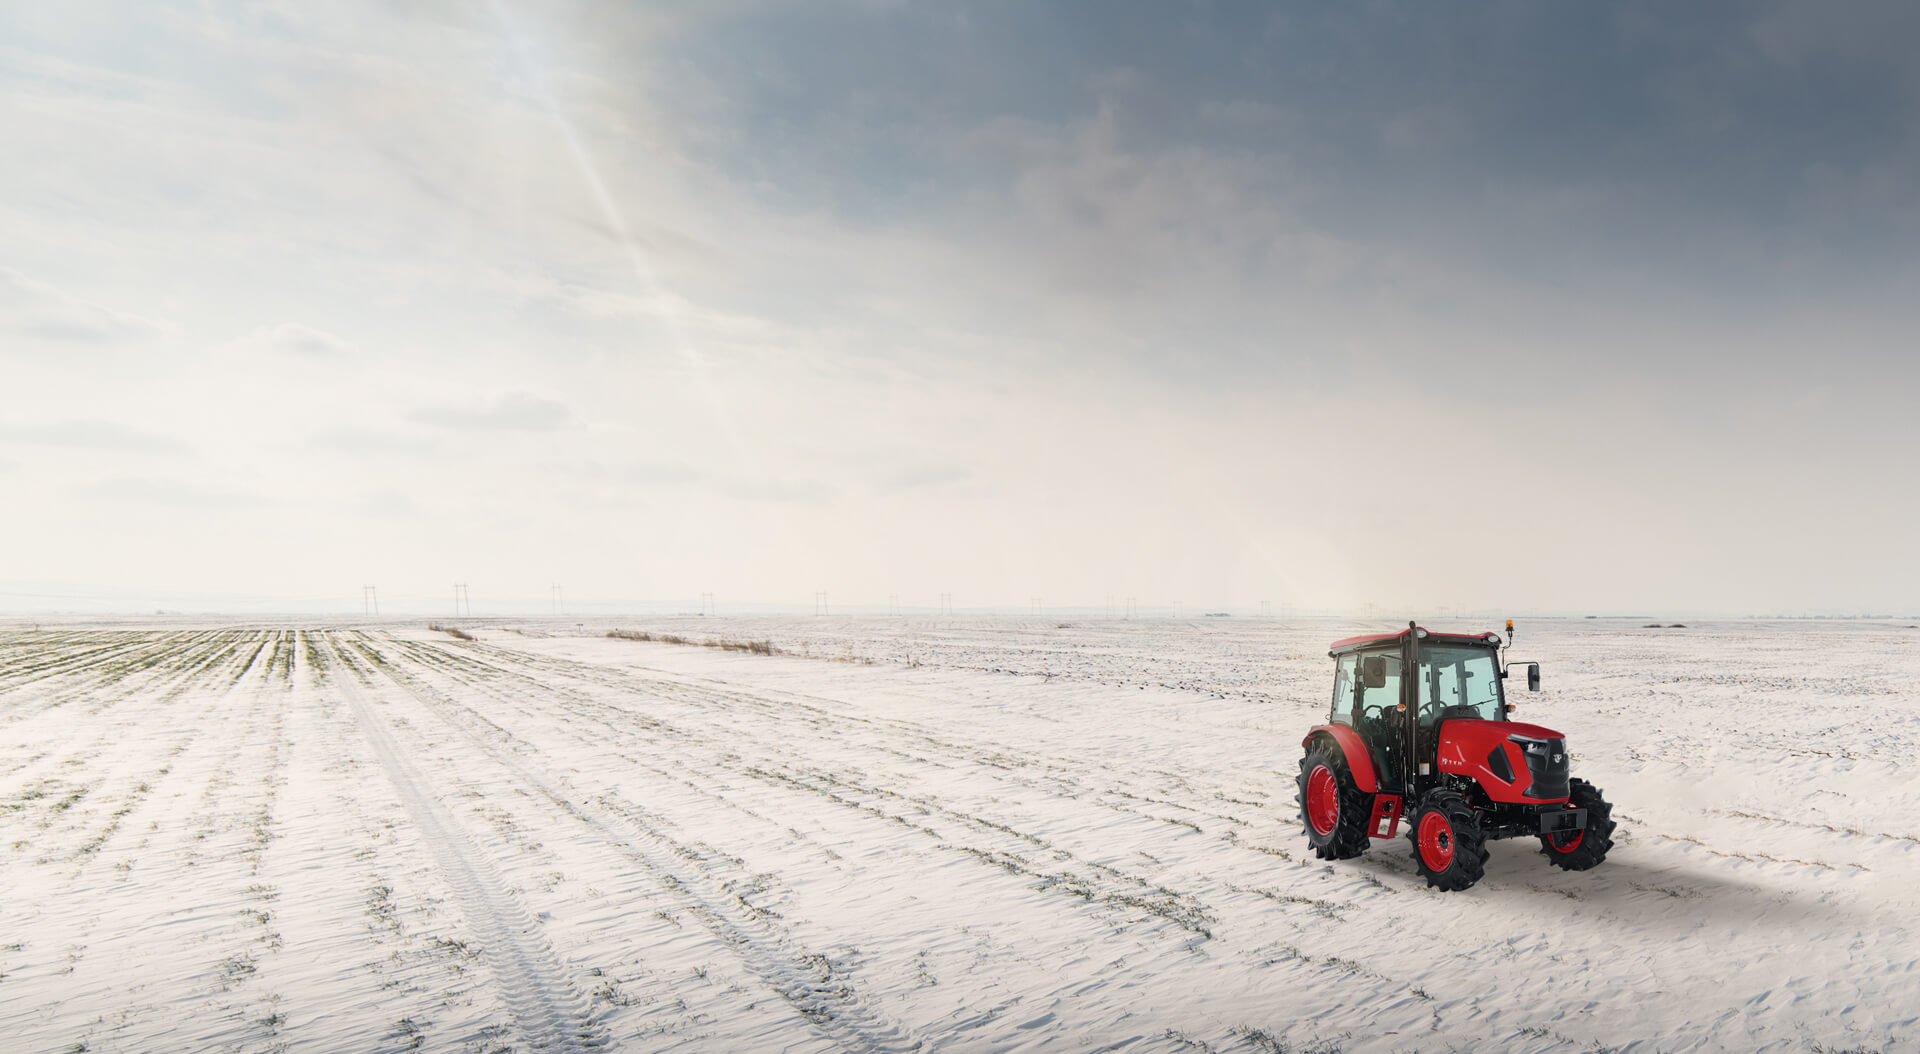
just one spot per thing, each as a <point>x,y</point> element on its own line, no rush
<point>1448,846</point>
<point>1582,849</point>
<point>1333,808</point>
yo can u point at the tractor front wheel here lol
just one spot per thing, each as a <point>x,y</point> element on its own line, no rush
<point>1585,848</point>
<point>1333,809</point>
<point>1448,846</point>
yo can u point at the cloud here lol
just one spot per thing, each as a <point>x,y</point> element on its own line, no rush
<point>740,488</point>
<point>93,435</point>
<point>291,338</point>
<point>37,310</point>
<point>151,491</point>
<point>778,491</point>
<point>1426,128</point>
<point>925,477</point>
<point>516,412</point>
<point>1249,114</point>
<point>362,441</point>
<point>668,475</point>
<point>390,503</point>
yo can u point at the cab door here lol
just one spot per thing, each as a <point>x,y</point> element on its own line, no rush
<point>1377,715</point>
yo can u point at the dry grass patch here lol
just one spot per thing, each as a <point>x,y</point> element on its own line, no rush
<point>754,647</point>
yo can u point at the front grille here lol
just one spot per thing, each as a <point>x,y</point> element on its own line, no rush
<point>1547,763</point>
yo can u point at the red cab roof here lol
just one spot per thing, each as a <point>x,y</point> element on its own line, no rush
<point>1375,638</point>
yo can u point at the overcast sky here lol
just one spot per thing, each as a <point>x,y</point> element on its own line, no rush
<point>1579,308</point>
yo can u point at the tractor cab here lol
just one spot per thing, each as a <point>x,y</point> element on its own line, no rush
<point>1395,690</point>
<point>1420,722</point>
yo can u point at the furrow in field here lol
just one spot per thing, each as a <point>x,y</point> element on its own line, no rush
<point>187,821</point>
<point>1048,778</point>
<point>29,694</point>
<point>1050,775</point>
<point>548,1012</point>
<point>33,657</point>
<point>376,957</point>
<point>803,979</point>
<point>988,843</point>
<point>63,744</point>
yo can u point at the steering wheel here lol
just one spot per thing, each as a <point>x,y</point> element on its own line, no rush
<point>1373,714</point>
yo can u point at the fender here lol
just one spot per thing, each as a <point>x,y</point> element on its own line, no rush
<point>1358,761</point>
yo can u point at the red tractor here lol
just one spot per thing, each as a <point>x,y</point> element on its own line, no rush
<point>1421,727</point>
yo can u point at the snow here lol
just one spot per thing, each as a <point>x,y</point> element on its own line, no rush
<point>898,834</point>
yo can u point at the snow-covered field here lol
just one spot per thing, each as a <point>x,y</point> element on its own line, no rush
<point>902,834</point>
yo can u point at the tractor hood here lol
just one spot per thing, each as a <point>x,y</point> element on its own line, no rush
<point>1521,728</point>
<point>1511,760</point>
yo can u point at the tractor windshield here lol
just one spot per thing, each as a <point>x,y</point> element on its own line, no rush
<point>1458,681</point>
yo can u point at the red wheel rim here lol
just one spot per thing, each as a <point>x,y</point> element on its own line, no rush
<point>1436,841</point>
<point>1323,800</point>
<point>1566,841</point>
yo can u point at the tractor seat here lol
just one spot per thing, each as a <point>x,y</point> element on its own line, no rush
<point>1459,710</point>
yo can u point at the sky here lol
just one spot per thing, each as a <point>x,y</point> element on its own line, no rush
<point>1399,308</point>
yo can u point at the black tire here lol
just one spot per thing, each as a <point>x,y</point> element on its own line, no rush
<point>1345,836</point>
<point>1587,847</point>
<point>1448,846</point>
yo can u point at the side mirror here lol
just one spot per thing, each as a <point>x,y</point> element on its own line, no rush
<point>1533,677</point>
<point>1373,671</point>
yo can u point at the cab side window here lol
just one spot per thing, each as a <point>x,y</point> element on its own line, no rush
<point>1343,690</point>
<point>1385,697</point>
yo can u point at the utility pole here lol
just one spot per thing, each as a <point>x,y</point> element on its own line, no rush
<point>1133,607</point>
<point>820,602</point>
<point>558,606</point>
<point>461,600</point>
<point>893,604</point>
<point>1036,606</point>
<point>369,603</point>
<point>1266,609</point>
<point>706,604</point>
<point>946,604</point>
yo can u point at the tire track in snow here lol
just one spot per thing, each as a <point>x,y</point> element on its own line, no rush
<point>548,1011</point>
<point>1052,774</point>
<point>994,845</point>
<point>1053,777</point>
<point>827,1003</point>
<point>1006,849</point>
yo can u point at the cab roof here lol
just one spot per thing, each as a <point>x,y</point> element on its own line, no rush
<point>1355,643</point>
